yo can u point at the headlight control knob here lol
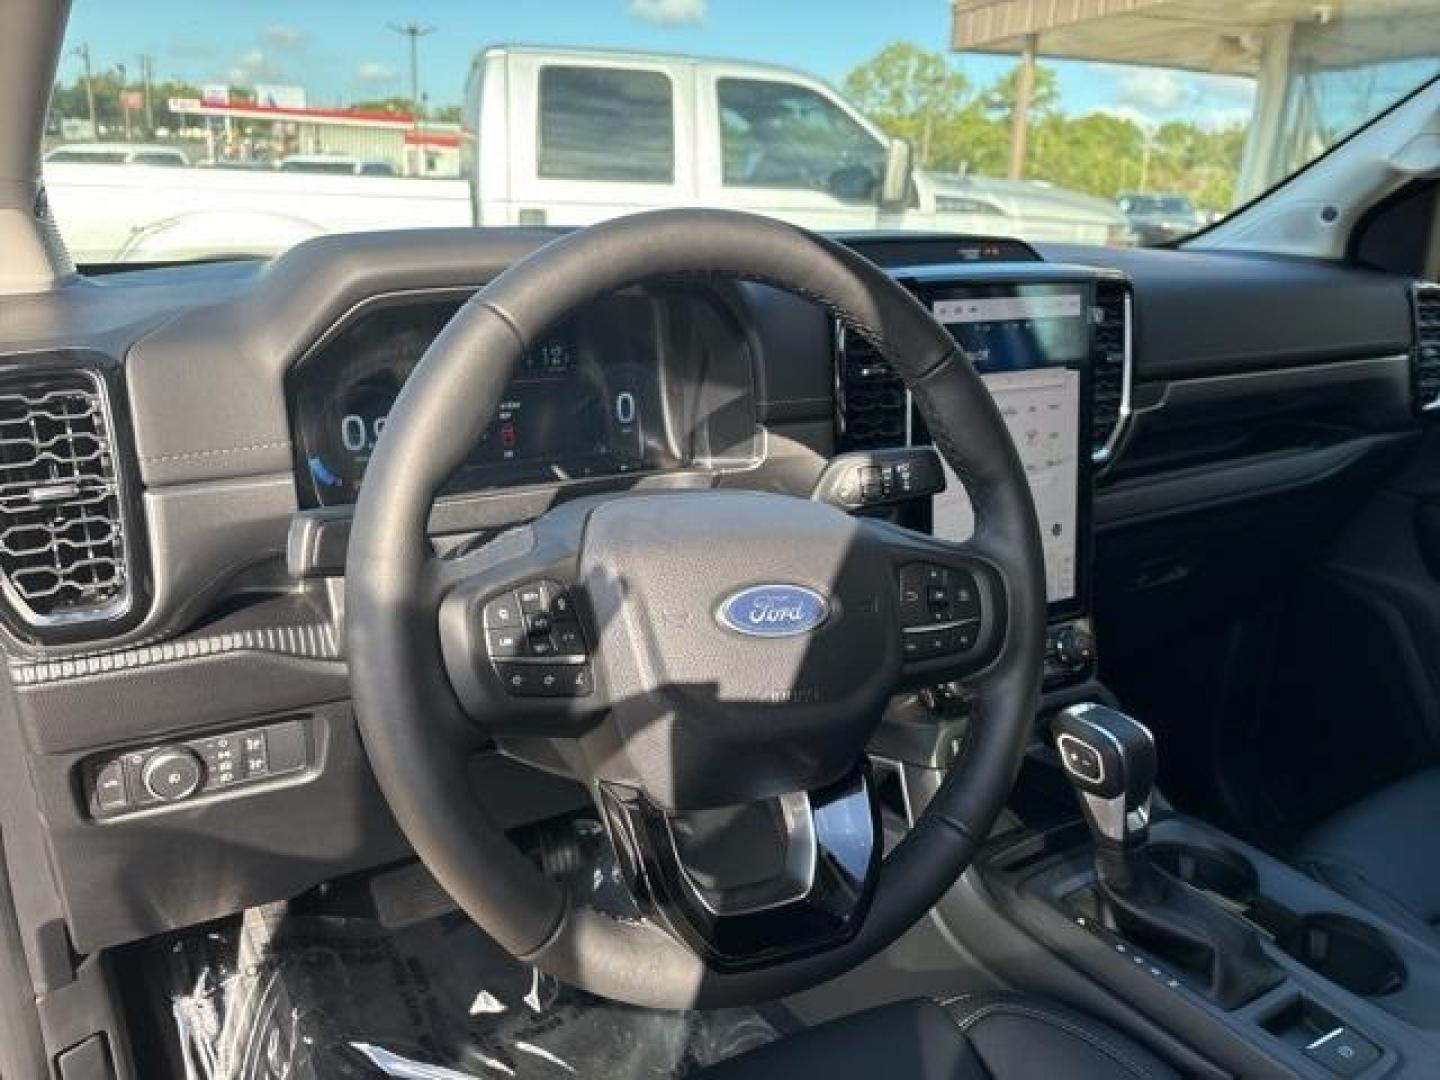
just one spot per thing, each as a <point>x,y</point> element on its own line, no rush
<point>172,773</point>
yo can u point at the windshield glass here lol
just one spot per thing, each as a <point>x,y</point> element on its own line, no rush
<point>178,132</point>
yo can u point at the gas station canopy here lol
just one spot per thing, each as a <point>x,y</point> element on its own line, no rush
<point>1284,45</point>
<point>1224,37</point>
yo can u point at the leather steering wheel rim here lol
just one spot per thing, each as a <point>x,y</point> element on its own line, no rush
<point>414,731</point>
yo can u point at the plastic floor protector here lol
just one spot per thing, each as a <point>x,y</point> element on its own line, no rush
<point>314,997</point>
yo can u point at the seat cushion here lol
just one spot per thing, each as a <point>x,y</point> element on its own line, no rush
<point>1383,852</point>
<point>1000,1037</point>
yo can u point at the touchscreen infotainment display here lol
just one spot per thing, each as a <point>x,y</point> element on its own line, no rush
<point>1029,343</point>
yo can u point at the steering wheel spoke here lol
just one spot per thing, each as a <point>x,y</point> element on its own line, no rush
<point>758,883</point>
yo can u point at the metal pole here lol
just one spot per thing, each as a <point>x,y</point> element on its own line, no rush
<point>83,51</point>
<point>1020,120</point>
<point>145,74</point>
<point>414,31</point>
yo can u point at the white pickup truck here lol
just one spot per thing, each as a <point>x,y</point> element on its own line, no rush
<point>569,137</point>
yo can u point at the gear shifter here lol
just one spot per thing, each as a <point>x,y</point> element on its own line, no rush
<point>1109,758</point>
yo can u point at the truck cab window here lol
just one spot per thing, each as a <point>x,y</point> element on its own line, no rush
<point>776,134</point>
<point>608,124</point>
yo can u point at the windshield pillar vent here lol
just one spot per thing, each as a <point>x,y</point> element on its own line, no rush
<point>65,548</point>
<point>1425,357</point>
<point>872,406</point>
<point>1111,368</point>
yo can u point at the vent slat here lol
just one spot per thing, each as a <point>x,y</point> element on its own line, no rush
<point>62,537</point>
<point>1425,358</point>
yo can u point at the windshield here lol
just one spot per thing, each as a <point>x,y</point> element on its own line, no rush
<point>178,132</point>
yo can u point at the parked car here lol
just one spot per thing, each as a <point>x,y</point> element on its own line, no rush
<point>1156,218</point>
<point>572,136</point>
<point>118,154</point>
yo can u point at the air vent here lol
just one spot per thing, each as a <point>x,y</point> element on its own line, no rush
<point>871,402</point>
<point>1110,369</point>
<point>1425,360</point>
<point>63,543</point>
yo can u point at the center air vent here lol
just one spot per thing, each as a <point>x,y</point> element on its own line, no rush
<point>871,403</point>
<point>1110,368</point>
<point>1425,360</point>
<point>63,543</point>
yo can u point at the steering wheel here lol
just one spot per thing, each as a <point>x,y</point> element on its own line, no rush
<point>722,657</point>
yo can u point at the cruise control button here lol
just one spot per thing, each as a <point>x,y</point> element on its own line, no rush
<point>532,597</point>
<point>503,611</point>
<point>521,680</point>
<point>542,646</point>
<point>561,603</point>
<point>568,639</point>
<point>508,642</point>
<point>538,625</point>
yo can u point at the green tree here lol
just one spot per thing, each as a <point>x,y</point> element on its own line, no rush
<point>912,93</point>
<point>1000,99</point>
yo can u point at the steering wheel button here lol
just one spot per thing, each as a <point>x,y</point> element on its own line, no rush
<point>913,584</point>
<point>538,625</point>
<point>580,682</point>
<point>532,597</point>
<point>543,646</point>
<point>503,611</point>
<point>568,639</point>
<point>509,642</point>
<point>521,680</point>
<point>562,604</point>
<point>964,597</point>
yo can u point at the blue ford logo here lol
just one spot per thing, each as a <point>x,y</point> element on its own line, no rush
<point>774,610</point>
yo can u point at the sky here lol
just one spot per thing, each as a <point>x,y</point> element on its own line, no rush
<point>342,51</point>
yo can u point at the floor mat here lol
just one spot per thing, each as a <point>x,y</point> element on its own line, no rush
<point>281,996</point>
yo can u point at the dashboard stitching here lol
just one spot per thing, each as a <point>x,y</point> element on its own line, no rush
<point>188,455</point>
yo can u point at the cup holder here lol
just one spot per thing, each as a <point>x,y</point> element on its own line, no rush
<point>1348,952</point>
<point>1215,870</point>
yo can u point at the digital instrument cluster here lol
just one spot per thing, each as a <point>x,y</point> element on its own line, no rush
<point>584,401</point>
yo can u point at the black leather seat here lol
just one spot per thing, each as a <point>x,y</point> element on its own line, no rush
<point>1382,852</point>
<point>1003,1037</point>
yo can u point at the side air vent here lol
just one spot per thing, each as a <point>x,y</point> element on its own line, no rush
<point>1425,359</point>
<point>1110,368</point>
<point>64,549</point>
<point>871,404</point>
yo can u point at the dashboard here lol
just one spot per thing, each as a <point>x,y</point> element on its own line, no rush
<point>247,399</point>
<point>606,394</point>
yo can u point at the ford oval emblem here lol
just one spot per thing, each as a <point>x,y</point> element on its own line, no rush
<point>774,610</point>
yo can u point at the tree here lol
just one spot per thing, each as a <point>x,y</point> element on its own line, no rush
<point>911,92</point>
<point>1000,99</point>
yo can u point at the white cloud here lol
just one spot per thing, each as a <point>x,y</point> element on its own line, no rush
<point>1152,88</point>
<point>374,72</point>
<point>669,12</point>
<point>255,65</point>
<point>1127,112</point>
<point>283,36</point>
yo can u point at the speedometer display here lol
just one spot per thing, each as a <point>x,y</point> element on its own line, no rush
<point>584,401</point>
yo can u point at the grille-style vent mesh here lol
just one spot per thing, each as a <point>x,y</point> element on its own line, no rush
<point>1108,364</point>
<point>1425,369</point>
<point>62,540</point>
<point>870,398</point>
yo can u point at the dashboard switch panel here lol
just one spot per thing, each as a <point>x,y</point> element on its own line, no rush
<point>151,776</point>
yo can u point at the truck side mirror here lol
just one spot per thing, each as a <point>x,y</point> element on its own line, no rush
<point>895,189</point>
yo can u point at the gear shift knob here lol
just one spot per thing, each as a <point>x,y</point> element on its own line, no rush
<point>1110,759</point>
